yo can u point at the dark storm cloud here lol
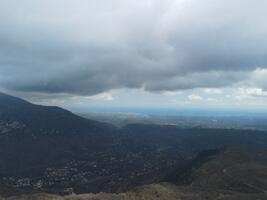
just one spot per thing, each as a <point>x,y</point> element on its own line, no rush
<point>87,47</point>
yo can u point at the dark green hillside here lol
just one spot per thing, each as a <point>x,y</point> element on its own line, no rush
<point>49,149</point>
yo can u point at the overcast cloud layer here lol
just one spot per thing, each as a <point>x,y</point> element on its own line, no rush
<point>83,47</point>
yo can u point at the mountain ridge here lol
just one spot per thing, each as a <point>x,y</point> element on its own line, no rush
<point>41,117</point>
<point>45,149</point>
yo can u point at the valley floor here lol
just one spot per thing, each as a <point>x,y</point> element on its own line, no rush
<point>230,174</point>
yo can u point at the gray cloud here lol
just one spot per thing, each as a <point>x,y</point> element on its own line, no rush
<point>88,47</point>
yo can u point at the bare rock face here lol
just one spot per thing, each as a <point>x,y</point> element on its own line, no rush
<point>149,192</point>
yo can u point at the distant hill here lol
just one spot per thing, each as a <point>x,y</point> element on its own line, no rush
<point>49,149</point>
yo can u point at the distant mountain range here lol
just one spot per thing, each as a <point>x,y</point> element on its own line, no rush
<point>49,149</point>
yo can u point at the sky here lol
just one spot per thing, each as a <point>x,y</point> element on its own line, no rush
<point>86,54</point>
